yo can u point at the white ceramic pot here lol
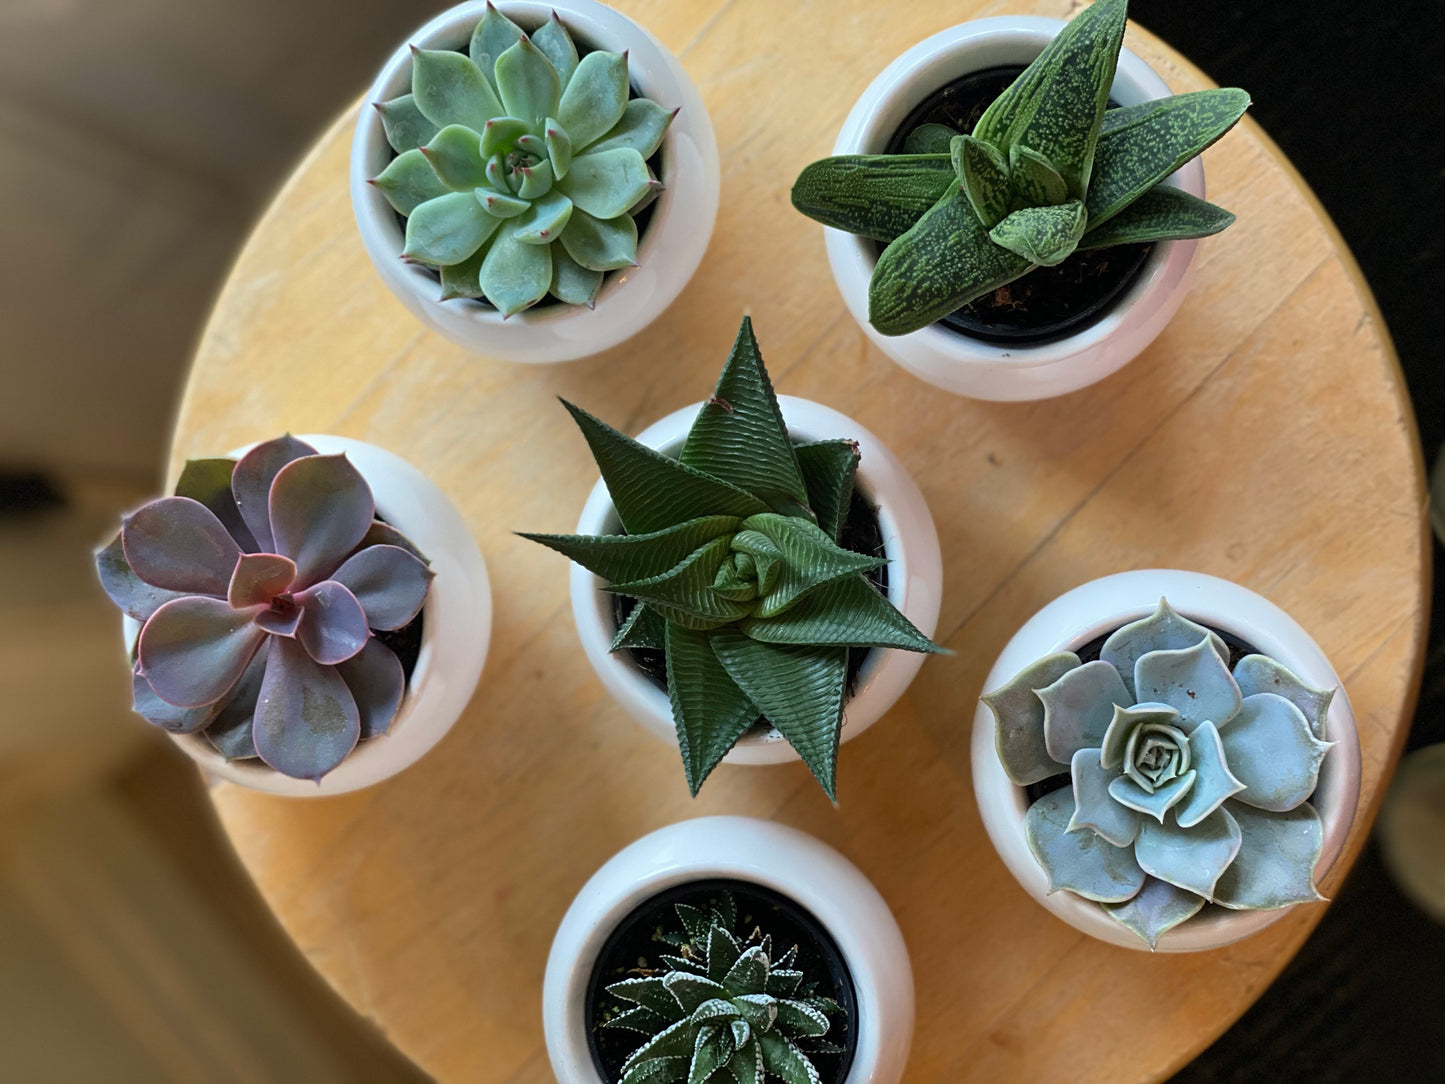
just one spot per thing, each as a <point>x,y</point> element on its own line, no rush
<point>972,367</point>
<point>784,859</point>
<point>915,582</point>
<point>668,252</point>
<point>1098,608</point>
<point>457,624</point>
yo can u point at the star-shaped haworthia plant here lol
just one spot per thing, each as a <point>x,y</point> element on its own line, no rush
<point>732,552</point>
<point>1190,784</point>
<point>258,586</point>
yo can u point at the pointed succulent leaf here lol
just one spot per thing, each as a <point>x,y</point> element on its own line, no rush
<point>1082,862</point>
<point>748,974</point>
<point>571,282</point>
<point>644,628</point>
<point>450,89</point>
<point>528,84</point>
<point>641,128</point>
<point>1156,802</point>
<point>742,1033</point>
<point>600,244</point>
<point>785,1061</point>
<point>384,534</point>
<point>943,261</point>
<point>680,963</point>
<point>251,483</point>
<point>675,1042</point>
<point>929,139</point>
<point>306,720</point>
<point>1079,707</point>
<point>557,46</point>
<point>1270,747</point>
<point>448,229</point>
<point>723,951</point>
<point>194,649</point>
<point>1094,807</point>
<point>559,148</point>
<point>500,134</point>
<point>1140,145</point>
<point>661,1070</point>
<point>1213,781</point>
<point>690,991</point>
<point>376,680</point>
<point>595,98</point>
<point>810,560</point>
<point>711,713</point>
<point>622,558</point>
<point>408,181</point>
<point>545,221</point>
<point>1018,716</point>
<point>686,591</point>
<point>145,703</point>
<point>746,1065</point>
<point>711,1051</point>
<point>1033,180</point>
<point>783,981</point>
<point>463,279</point>
<point>501,205</point>
<point>1163,213</point>
<point>1156,910</point>
<point>321,507</point>
<point>493,36</point>
<point>209,482</point>
<point>258,578</point>
<point>639,1019</point>
<point>405,127</point>
<point>333,625</point>
<point>1193,680</point>
<point>1042,235</point>
<point>231,731</point>
<point>1261,674</point>
<point>694,920</point>
<point>985,176</point>
<point>1189,858</point>
<point>536,180</point>
<point>606,183</point>
<point>878,196</point>
<point>797,1018</point>
<point>1276,861</point>
<point>127,590</point>
<point>515,275</point>
<point>1126,720</point>
<point>828,468</point>
<point>1011,109</point>
<point>455,154</point>
<point>178,544</point>
<point>849,611</point>
<point>648,992</point>
<point>759,1010</point>
<point>1163,630</point>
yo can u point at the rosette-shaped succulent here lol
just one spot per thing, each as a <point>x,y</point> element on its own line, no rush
<point>519,166</point>
<point>1190,784</point>
<point>259,585</point>
<point>732,552</point>
<point>723,1010</point>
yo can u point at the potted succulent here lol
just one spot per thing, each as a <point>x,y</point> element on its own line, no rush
<point>1166,760</point>
<point>743,569</point>
<point>1014,232</point>
<point>536,181</point>
<point>728,948</point>
<point>305,618</point>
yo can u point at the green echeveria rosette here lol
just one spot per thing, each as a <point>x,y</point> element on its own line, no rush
<point>520,165</point>
<point>1190,783</point>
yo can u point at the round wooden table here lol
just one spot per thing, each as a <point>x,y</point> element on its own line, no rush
<point>1265,437</point>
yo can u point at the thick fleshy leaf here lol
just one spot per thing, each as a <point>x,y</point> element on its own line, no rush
<point>463,279</point>
<point>746,1065</point>
<point>406,129</point>
<point>559,148</point>
<point>1163,213</point>
<point>501,134</point>
<point>1140,145</point>
<point>690,991</point>
<point>1189,858</point>
<point>1018,716</point>
<point>448,229</point>
<point>455,155</point>
<point>545,221</point>
<point>943,261</point>
<point>785,1061</point>
<point>1126,720</point>
<point>230,734</point>
<point>644,628</point>
<point>930,139</point>
<point>711,713</point>
<point>620,558</point>
<point>145,703</point>
<point>758,1010</point>
<point>984,173</point>
<point>651,491</point>
<point>658,1070</point>
<point>384,534</point>
<point>1079,707</point>
<point>571,282</point>
<point>377,682</point>
<point>641,128</point>
<point>1094,807</point>
<point>798,689</point>
<point>178,544</point>
<point>557,46</point>
<point>600,244</point>
<point>1275,866</point>
<point>1213,781</point>
<point>333,624</point>
<point>878,196</point>
<point>251,482</point>
<point>1081,862</point>
<point>849,611</point>
<point>1163,630</point>
<point>494,35</point>
<point>1011,109</point>
<point>1157,802</point>
<point>810,559</point>
<point>798,1018</point>
<point>306,719</point>
<point>713,1047</point>
<point>528,84</point>
<point>748,974</point>
<point>1261,674</point>
<point>194,649</point>
<point>723,951</point>
<point>1156,910</point>
<point>258,578</point>
<point>639,1019</point>
<point>648,992</point>
<point>1271,749</point>
<point>1033,180</point>
<point>515,274</point>
<point>282,619</point>
<point>500,205</point>
<point>1192,680</point>
<point>209,482</point>
<point>828,468</point>
<point>607,183</point>
<point>1042,235</point>
<point>127,590</point>
<point>684,594</point>
<point>450,89</point>
<point>321,507</point>
<point>595,98</point>
<point>390,583</point>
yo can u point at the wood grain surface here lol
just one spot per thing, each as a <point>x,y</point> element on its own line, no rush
<point>1265,437</point>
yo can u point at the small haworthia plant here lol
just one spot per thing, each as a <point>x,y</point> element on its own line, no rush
<point>1190,784</point>
<point>1048,170</point>
<point>519,166</point>
<point>258,586</point>
<point>732,553</point>
<point>723,1009</point>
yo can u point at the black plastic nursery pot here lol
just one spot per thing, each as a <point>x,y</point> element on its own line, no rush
<point>1048,303</point>
<point>635,945</point>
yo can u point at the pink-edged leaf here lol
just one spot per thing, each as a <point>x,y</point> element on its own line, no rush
<point>209,481</point>
<point>230,734</point>
<point>384,534</point>
<point>252,478</point>
<point>333,624</point>
<point>377,682</point>
<point>127,590</point>
<point>167,716</point>
<point>282,619</point>
<point>178,544</point>
<point>258,578</point>
<point>306,719</point>
<point>389,582</point>
<point>193,650</point>
<point>321,507</point>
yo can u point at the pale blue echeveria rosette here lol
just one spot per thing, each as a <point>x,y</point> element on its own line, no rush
<point>1190,782</point>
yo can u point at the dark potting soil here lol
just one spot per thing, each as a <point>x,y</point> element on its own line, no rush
<point>1049,302</point>
<point>861,534</point>
<point>633,948</point>
<point>405,641</point>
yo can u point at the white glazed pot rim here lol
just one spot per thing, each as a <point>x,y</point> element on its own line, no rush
<point>1098,607</point>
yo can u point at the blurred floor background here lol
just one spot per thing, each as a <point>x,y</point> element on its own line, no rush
<point>138,140</point>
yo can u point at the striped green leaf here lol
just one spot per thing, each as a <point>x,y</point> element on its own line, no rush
<point>849,611</point>
<point>1164,213</point>
<point>618,558</point>
<point>710,711</point>
<point>810,559</point>
<point>929,139</point>
<point>878,196</point>
<point>644,628</point>
<point>985,175</point>
<point>1034,180</point>
<point>1042,235</point>
<point>828,468</point>
<point>684,594</point>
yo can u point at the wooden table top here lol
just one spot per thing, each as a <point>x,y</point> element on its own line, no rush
<point>1265,437</point>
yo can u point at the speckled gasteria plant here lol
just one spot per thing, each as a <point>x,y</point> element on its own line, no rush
<point>519,166</point>
<point>1190,784</point>
<point>259,585</point>
<point>723,1009</point>
<point>1046,171</point>
<point>732,552</point>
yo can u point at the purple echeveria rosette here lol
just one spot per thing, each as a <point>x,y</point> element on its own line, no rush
<point>260,586</point>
